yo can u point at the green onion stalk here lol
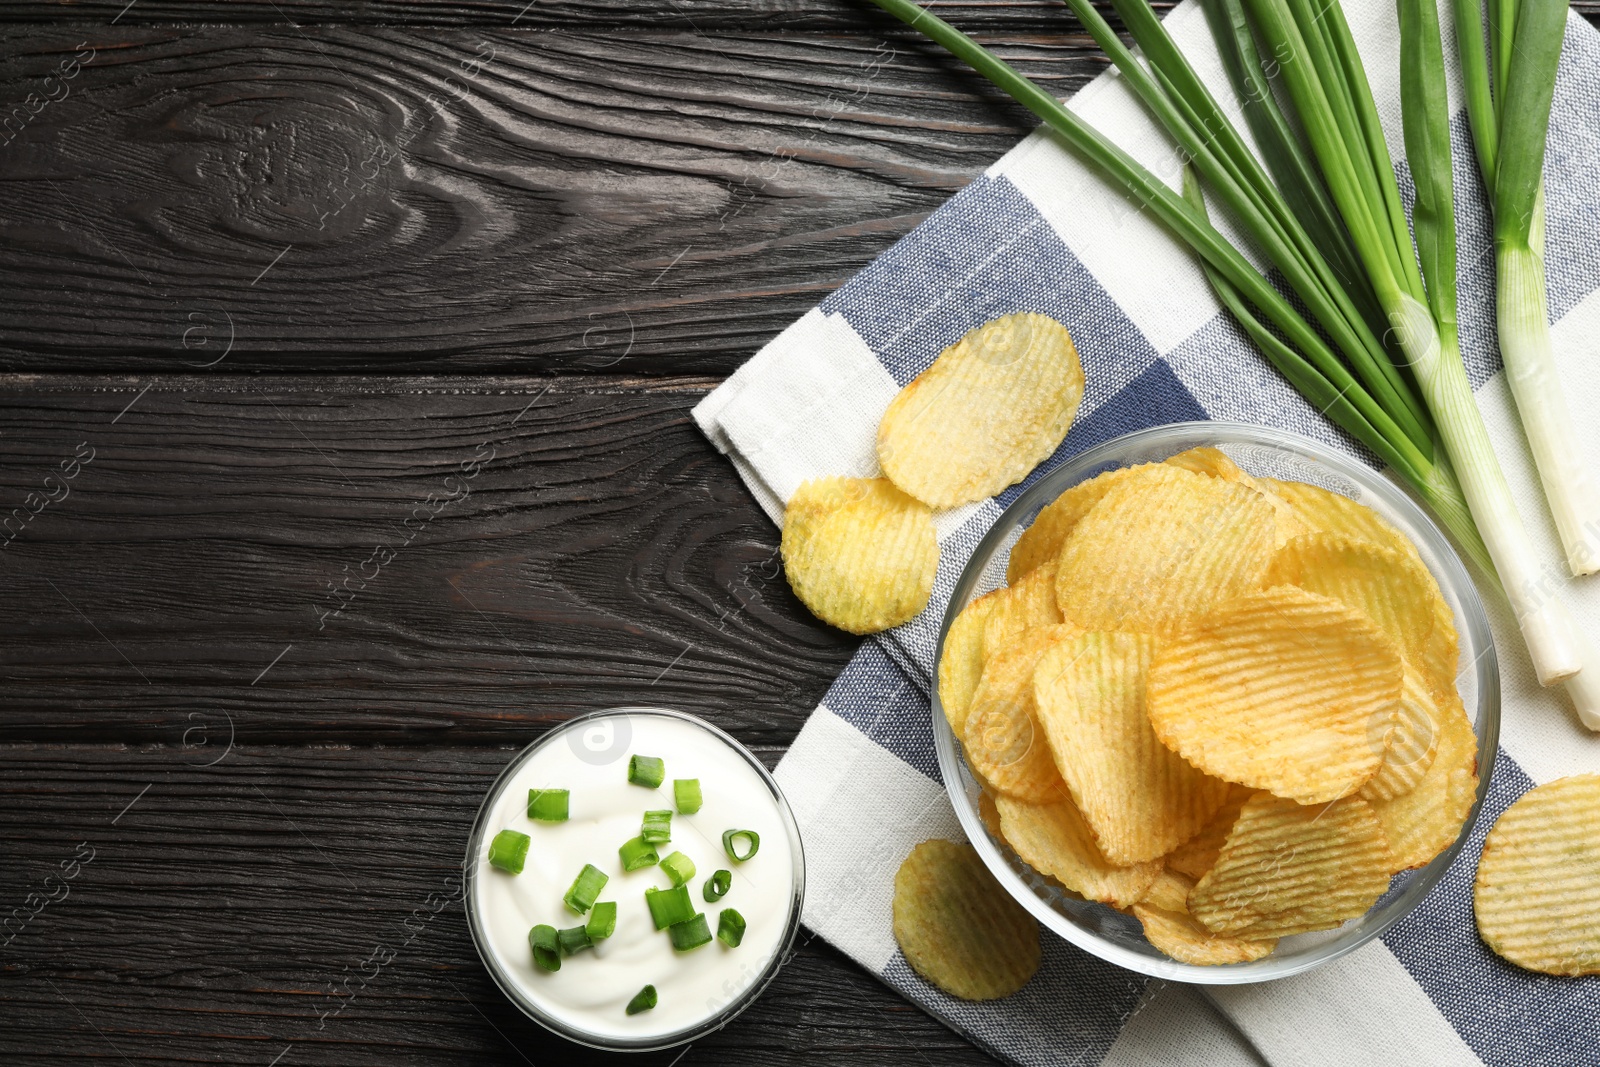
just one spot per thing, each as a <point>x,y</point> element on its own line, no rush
<point>1509,125</point>
<point>1354,215</point>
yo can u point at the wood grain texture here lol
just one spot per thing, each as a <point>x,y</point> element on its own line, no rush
<point>225,917</point>
<point>326,198</point>
<point>602,553</point>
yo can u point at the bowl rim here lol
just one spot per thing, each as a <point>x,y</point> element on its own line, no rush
<point>513,991</point>
<point>1455,578</point>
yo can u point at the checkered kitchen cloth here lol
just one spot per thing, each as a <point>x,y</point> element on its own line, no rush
<point>1040,232</point>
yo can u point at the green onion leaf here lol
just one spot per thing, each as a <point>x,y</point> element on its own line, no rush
<point>643,1000</point>
<point>647,771</point>
<point>730,928</point>
<point>585,889</point>
<point>730,844</point>
<point>602,921</point>
<point>547,805</point>
<point>717,886</point>
<point>572,940</point>
<point>508,851</point>
<point>689,934</point>
<point>668,906</point>
<point>657,827</point>
<point>679,868</point>
<point>686,794</point>
<point>546,945</point>
<point>637,854</point>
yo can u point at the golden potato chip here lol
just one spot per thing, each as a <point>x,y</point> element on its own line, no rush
<point>1423,822</point>
<point>1213,461</point>
<point>1409,745</point>
<point>1021,606</point>
<point>1054,840</point>
<point>961,659</point>
<point>1164,914</point>
<point>859,553</point>
<point>1005,747</point>
<point>985,413</point>
<point>1041,542</point>
<point>1163,545</point>
<point>1289,868</point>
<point>1138,796</point>
<point>1199,854</point>
<point>958,927</point>
<point>1008,672</point>
<point>1278,690</point>
<point>989,814</point>
<point>1538,886</point>
<point>1324,511</point>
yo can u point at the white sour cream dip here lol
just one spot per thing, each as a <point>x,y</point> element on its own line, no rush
<point>586,998</point>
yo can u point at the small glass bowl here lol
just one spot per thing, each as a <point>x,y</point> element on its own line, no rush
<point>618,750</point>
<point>1259,450</point>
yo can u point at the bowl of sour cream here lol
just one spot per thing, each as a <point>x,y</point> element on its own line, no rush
<point>576,823</point>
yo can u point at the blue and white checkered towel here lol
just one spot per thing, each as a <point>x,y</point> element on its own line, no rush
<point>1041,232</point>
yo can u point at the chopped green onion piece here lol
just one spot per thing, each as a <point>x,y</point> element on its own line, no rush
<point>576,939</point>
<point>679,868</point>
<point>717,886</point>
<point>648,771</point>
<point>586,889</point>
<point>668,906</point>
<point>602,921</point>
<point>730,928</point>
<point>546,945</point>
<point>547,805</point>
<point>730,839</point>
<point>686,794</point>
<point>637,853</point>
<point>508,851</point>
<point>691,933</point>
<point>657,827</point>
<point>643,1000</point>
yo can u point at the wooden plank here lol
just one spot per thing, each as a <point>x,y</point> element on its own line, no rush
<point>225,916</point>
<point>264,552</point>
<point>330,199</point>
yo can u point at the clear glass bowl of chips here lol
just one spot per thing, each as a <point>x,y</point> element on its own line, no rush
<point>1117,936</point>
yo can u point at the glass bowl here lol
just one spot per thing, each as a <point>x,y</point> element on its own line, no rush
<point>1116,937</point>
<point>603,741</point>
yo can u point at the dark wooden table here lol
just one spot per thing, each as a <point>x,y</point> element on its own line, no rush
<point>347,355</point>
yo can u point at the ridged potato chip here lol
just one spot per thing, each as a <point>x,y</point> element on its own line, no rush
<point>1289,868</point>
<point>1215,462</point>
<point>961,660</point>
<point>1164,914</point>
<point>1054,840</point>
<point>1279,690</point>
<point>957,926</point>
<point>1006,748</point>
<point>1199,854</point>
<point>1139,797</point>
<point>1041,542</point>
<point>1324,511</point>
<point>1409,745</point>
<point>1537,891</point>
<point>989,814</point>
<point>1021,606</point>
<point>859,553</point>
<point>985,413</point>
<point>1008,672</point>
<point>1422,823</point>
<point>1164,544</point>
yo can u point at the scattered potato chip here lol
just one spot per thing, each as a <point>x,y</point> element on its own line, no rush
<point>1537,890</point>
<point>859,553</point>
<point>1164,544</point>
<point>1199,854</point>
<point>1054,840</point>
<point>1164,914</point>
<point>1409,745</point>
<point>985,413</point>
<point>1006,747</point>
<point>1021,606</point>
<point>1041,542</point>
<point>961,660</point>
<point>1424,822</point>
<point>1139,797</point>
<point>1278,690</point>
<point>1288,868</point>
<point>958,927</point>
